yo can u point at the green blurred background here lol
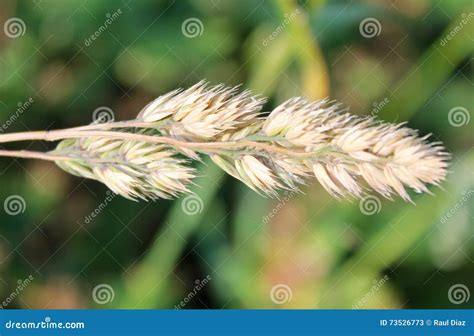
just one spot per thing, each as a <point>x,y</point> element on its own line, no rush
<point>229,247</point>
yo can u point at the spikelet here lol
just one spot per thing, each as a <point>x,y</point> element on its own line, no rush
<point>202,113</point>
<point>130,168</point>
<point>297,140</point>
<point>389,157</point>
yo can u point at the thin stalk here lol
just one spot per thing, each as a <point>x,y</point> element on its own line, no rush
<point>217,147</point>
<point>34,155</point>
<point>53,156</point>
<point>116,124</point>
<point>266,145</point>
<point>45,135</point>
<point>212,147</point>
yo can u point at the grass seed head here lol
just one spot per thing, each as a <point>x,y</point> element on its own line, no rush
<point>347,154</point>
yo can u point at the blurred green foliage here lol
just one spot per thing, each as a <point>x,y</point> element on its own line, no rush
<point>328,253</point>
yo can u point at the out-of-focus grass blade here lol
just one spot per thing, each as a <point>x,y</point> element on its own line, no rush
<point>267,64</point>
<point>147,286</point>
<point>433,68</point>
<point>314,73</point>
<point>237,262</point>
<point>393,242</point>
<point>213,246</point>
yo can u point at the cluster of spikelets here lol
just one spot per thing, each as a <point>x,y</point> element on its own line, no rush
<point>268,152</point>
<point>129,168</point>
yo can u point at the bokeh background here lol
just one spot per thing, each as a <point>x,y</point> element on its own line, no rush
<point>66,242</point>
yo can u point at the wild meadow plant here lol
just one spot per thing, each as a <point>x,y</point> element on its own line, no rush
<point>149,157</point>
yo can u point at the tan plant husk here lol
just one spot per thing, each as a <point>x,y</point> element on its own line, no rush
<point>148,157</point>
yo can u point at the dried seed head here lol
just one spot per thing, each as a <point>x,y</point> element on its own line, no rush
<point>203,112</point>
<point>389,157</point>
<point>304,124</point>
<point>129,168</point>
<point>296,140</point>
